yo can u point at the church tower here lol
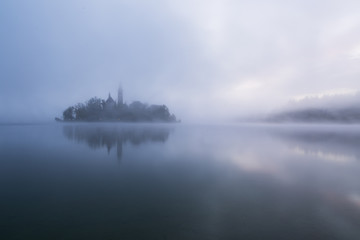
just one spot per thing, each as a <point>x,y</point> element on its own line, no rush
<point>120,96</point>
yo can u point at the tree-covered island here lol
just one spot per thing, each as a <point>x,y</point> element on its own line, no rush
<point>97,109</point>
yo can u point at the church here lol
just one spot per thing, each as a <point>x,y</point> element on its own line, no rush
<point>110,103</point>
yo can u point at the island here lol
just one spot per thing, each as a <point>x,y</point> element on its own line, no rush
<point>97,110</point>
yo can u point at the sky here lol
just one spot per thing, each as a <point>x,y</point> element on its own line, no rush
<point>207,60</point>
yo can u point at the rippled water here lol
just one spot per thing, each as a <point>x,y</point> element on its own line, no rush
<point>150,181</point>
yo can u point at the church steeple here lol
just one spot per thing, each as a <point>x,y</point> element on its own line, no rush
<point>110,100</point>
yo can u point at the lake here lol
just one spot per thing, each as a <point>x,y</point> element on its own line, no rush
<point>178,181</point>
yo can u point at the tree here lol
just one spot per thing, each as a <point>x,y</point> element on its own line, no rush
<point>160,113</point>
<point>69,114</point>
<point>94,108</point>
<point>80,111</point>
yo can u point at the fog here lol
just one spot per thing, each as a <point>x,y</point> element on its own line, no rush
<point>206,60</point>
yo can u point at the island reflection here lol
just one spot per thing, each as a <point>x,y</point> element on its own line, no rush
<point>103,136</point>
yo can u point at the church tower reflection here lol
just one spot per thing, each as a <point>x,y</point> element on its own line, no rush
<point>111,136</point>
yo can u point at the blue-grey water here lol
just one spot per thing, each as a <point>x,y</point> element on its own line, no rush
<point>174,181</point>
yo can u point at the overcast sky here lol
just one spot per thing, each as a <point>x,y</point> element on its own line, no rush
<point>204,59</point>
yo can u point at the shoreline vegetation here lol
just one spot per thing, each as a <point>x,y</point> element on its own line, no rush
<point>343,115</point>
<point>99,110</point>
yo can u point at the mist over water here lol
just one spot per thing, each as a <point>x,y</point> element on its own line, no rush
<point>171,181</point>
<point>97,67</point>
<point>207,61</point>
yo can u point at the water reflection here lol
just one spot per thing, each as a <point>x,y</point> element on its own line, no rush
<point>341,145</point>
<point>102,136</point>
<point>326,161</point>
<point>218,182</point>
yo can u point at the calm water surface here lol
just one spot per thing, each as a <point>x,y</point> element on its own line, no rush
<point>127,181</point>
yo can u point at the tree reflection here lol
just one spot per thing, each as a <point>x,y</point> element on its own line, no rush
<point>97,137</point>
<point>338,143</point>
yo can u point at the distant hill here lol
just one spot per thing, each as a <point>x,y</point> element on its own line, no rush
<point>336,109</point>
<point>344,115</point>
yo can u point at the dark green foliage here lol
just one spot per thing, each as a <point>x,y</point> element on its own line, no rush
<point>97,109</point>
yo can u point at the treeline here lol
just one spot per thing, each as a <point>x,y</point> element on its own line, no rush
<point>97,109</point>
<point>320,115</point>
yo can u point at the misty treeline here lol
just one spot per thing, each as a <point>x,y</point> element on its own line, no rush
<point>96,109</point>
<point>340,115</point>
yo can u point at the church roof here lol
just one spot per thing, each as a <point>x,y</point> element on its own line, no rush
<point>110,99</point>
